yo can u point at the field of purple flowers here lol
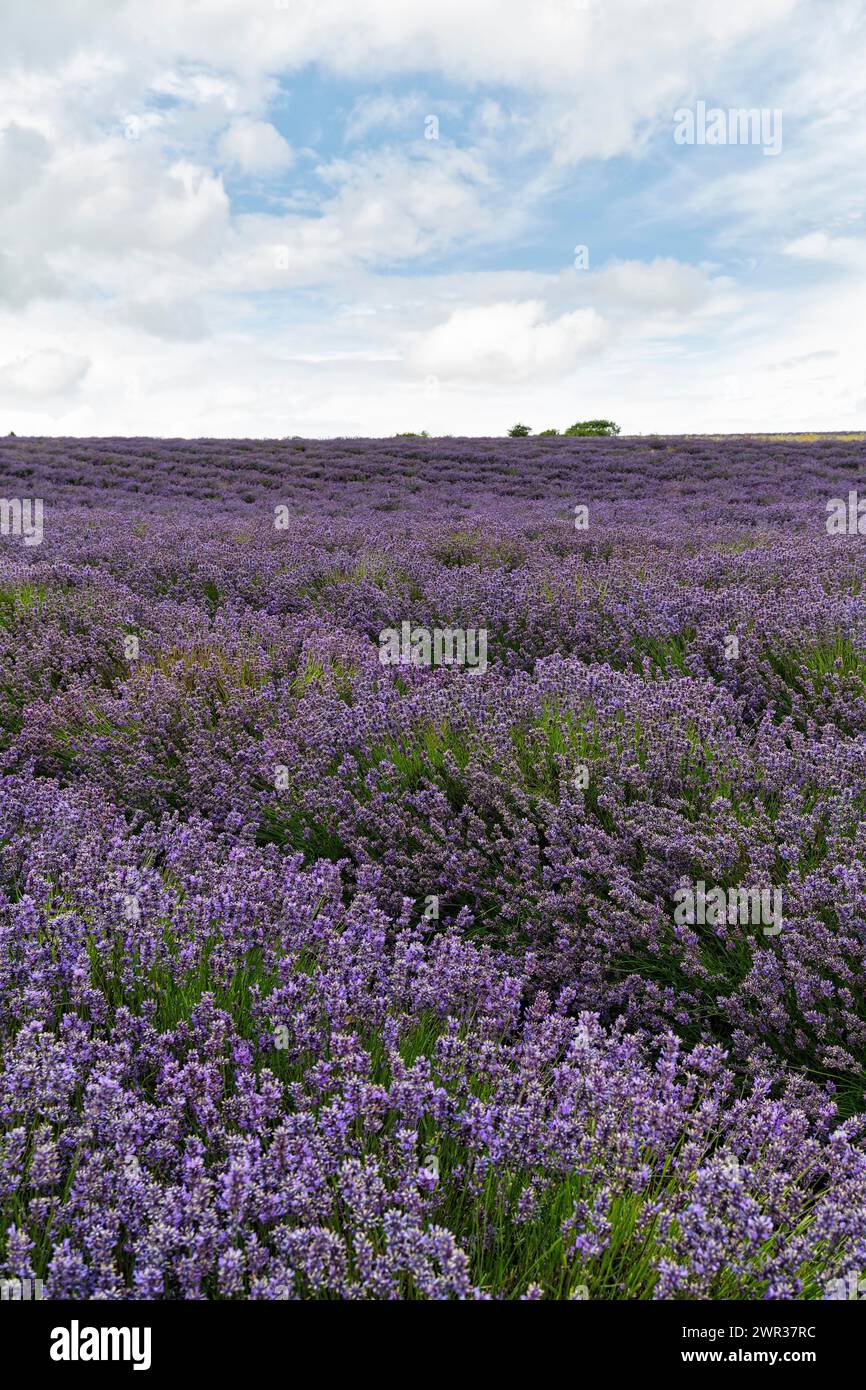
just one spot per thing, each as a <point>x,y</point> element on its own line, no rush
<point>327,978</point>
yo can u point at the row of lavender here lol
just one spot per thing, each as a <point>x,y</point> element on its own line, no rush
<point>323,975</point>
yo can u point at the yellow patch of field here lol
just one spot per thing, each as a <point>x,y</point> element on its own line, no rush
<point>808,438</point>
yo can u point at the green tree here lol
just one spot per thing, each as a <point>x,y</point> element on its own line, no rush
<point>606,427</point>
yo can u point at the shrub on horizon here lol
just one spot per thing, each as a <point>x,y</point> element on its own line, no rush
<point>593,427</point>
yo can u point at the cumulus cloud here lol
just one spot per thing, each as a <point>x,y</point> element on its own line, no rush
<point>42,374</point>
<point>509,341</point>
<point>384,110</point>
<point>146,216</point>
<point>834,250</point>
<point>180,320</point>
<point>661,285</point>
<point>23,153</point>
<point>255,147</point>
<point>23,279</point>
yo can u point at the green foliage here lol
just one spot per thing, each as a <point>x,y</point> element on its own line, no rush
<point>543,434</point>
<point>593,427</point>
<point>519,431</point>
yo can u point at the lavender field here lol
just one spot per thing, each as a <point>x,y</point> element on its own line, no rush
<point>537,974</point>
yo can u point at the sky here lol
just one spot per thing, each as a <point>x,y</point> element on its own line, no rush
<point>266,218</point>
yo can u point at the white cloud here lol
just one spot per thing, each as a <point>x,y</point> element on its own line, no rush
<point>25,278</point>
<point>661,285</point>
<point>255,147</point>
<point>178,319</point>
<point>508,341</point>
<point>373,113</point>
<point>207,304</point>
<point>23,154</point>
<point>44,373</point>
<point>815,246</point>
<point>833,250</point>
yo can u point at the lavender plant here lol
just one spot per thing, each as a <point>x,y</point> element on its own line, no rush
<point>328,978</point>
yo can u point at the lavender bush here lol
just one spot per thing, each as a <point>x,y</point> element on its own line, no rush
<point>327,977</point>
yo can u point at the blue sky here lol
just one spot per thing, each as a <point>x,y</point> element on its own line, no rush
<point>228,218</point>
